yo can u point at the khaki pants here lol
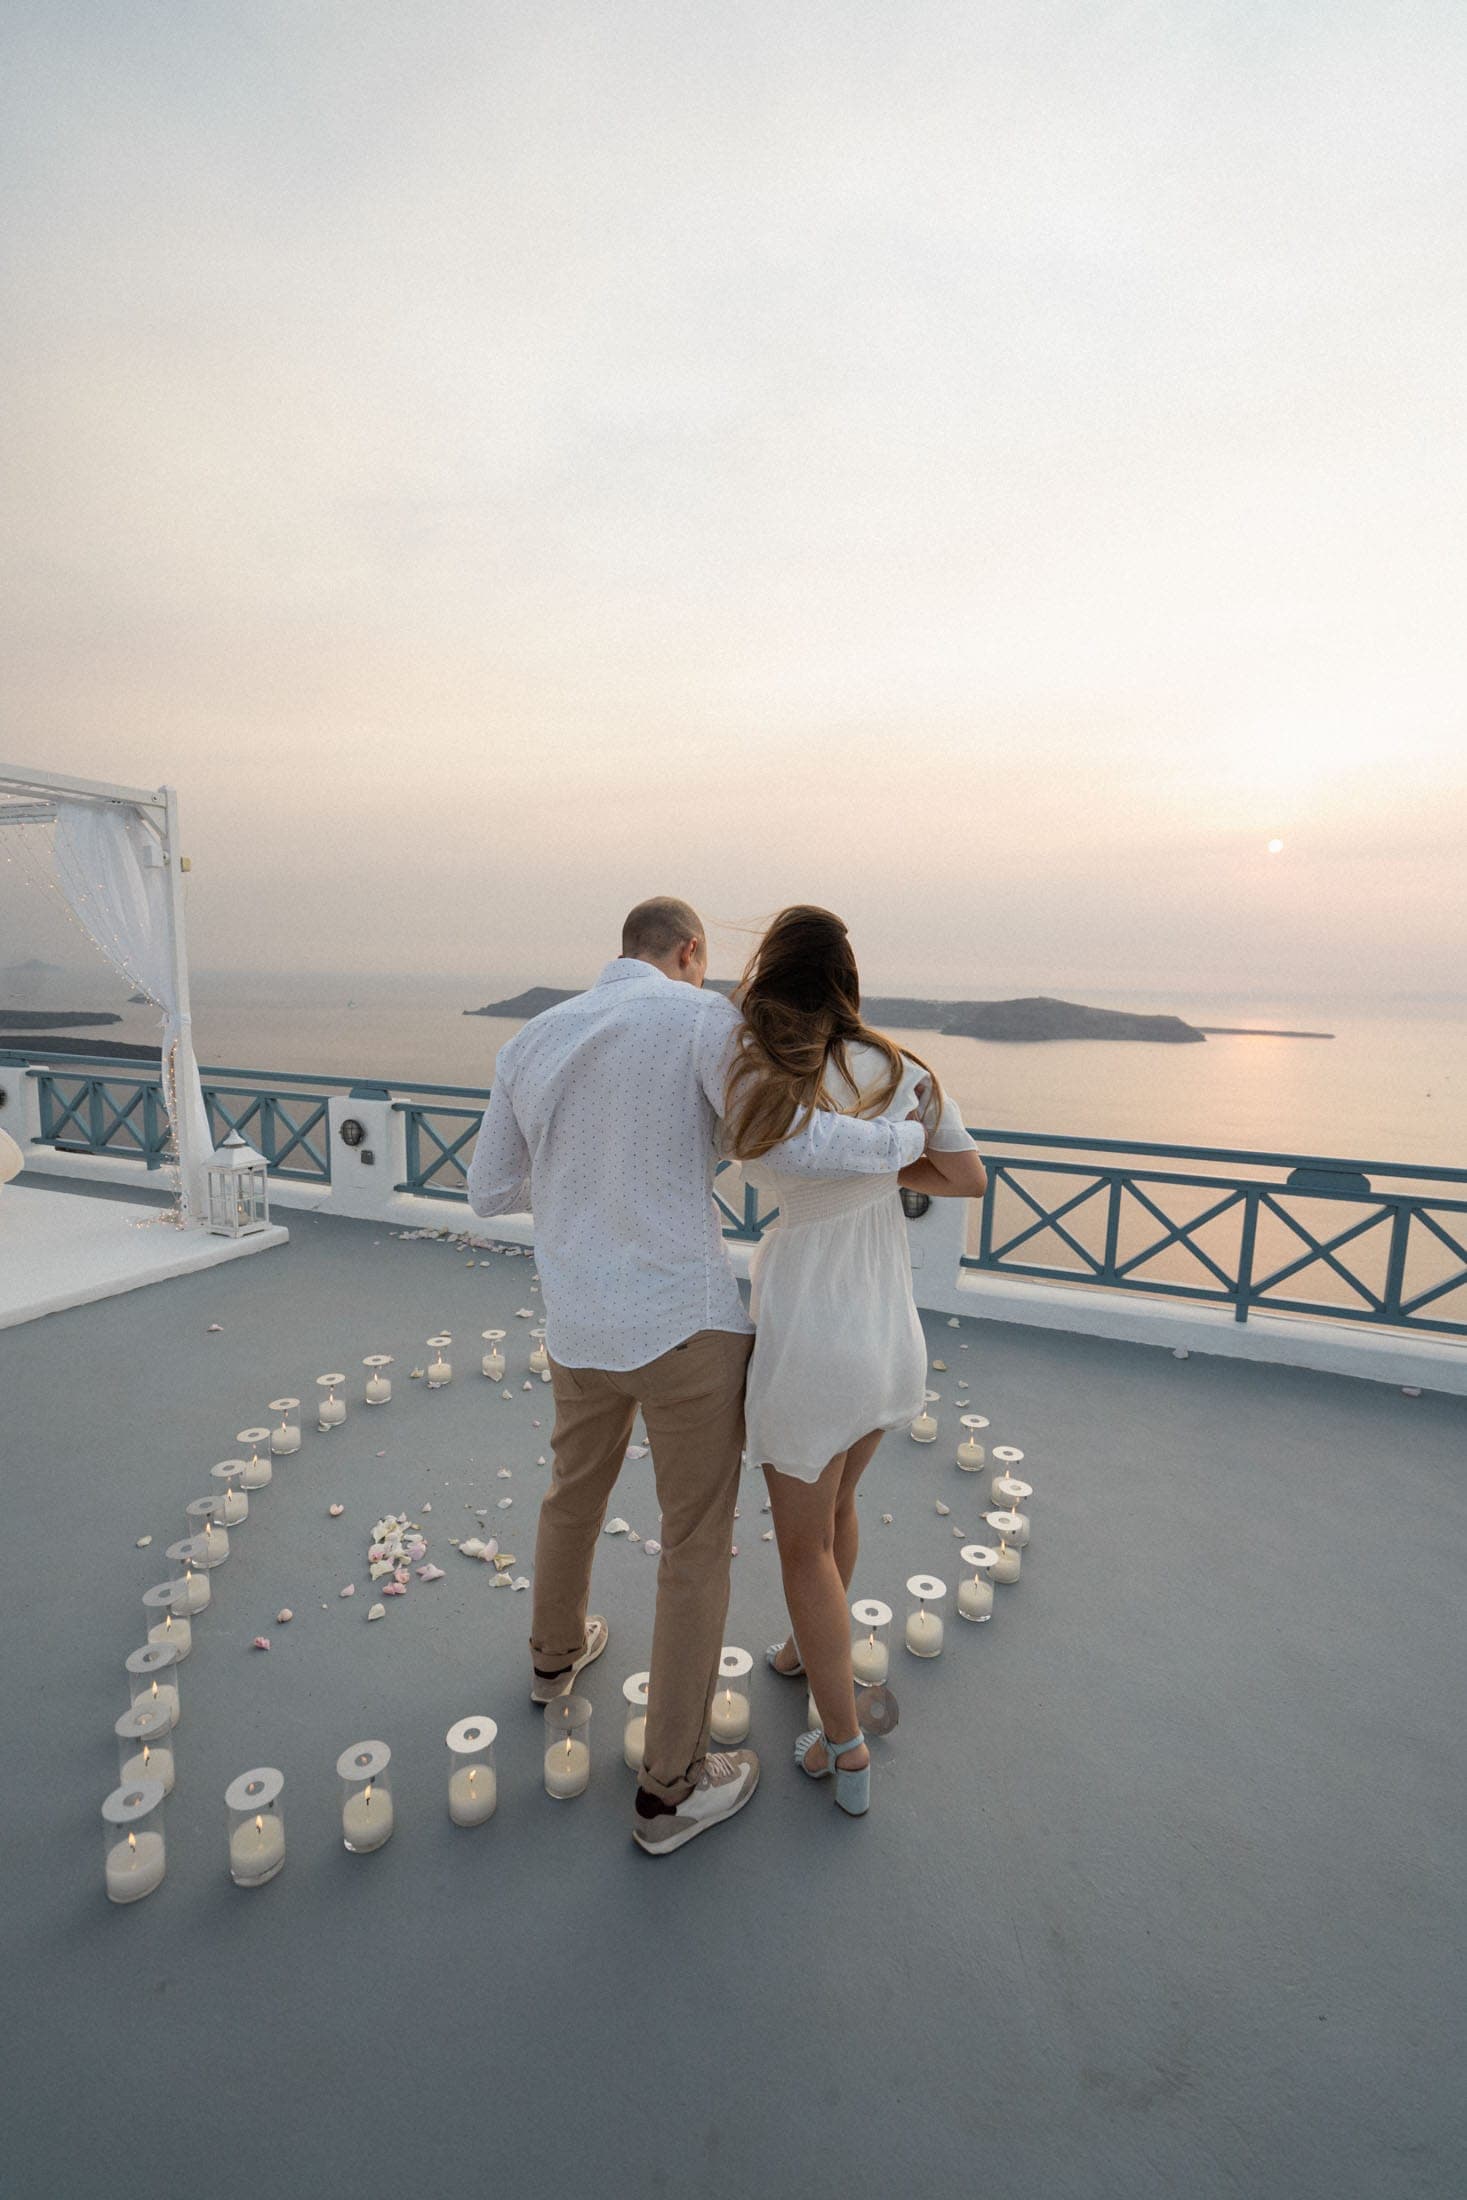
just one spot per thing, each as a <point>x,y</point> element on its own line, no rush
<point>692,1400</point>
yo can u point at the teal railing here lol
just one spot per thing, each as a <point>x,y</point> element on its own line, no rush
<point>1366,1241</point>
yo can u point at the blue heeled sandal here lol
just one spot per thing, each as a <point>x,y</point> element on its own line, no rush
<point>852,1789</point>
<point>785,1672</point>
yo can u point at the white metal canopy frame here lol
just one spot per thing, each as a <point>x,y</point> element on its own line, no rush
<point>118,865</point>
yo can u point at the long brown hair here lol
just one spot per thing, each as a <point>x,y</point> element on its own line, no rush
<point>800,996</point>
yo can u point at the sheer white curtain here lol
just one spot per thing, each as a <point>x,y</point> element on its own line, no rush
<point>107,866</point>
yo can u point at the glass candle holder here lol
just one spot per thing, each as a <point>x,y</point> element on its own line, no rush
<point>924,1429</point>
<point>870,1642</point>
<point>331,1412</point>
<point>145,1746</point>
<point>379,1386</point>
<point>924,1626</point>
<point>166,1619</point>
<point>152,1677</point>
<point>208,1530</point>
<point>493,1361</point>
<point>975,1590</point>
<point>1006,1565</point>
<point>970,1451</point>
<point>258,1470</point>
<point>567,1747</point>
<point>286,1434</point>
<point>193,1592</point>
<point>539,1357</point>
<point>730,1717</point>
<point>235,1507</point>
<point>634,1732</point>
<point>473,1789</point>
<point>256,1826</point>
<point>1005,1488</point>
<point>132,1839</point>
<point>366,1796</point>
<point>439,1371</point>
<point>1011,1527</point>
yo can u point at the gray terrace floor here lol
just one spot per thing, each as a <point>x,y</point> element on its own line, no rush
<point>1161,1892</point>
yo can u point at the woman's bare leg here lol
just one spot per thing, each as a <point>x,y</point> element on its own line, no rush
<point>804,1527</point>
<point>847,1531</point>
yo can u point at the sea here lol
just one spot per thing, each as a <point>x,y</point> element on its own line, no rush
<point>1389,1085</point>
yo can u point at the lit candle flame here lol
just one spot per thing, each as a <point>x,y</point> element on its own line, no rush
<point>259,1823</point>
<point>367,1794</point>
<point>132,1839</point>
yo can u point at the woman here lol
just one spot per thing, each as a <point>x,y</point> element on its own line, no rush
<point>839,1355</point>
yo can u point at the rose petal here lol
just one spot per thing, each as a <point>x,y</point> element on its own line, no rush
<point>349,1591</point>
<point>378,1611</point>
<point>261,1642</point>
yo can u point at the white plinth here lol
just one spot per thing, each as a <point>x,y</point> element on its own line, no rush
<point>60,1249</point>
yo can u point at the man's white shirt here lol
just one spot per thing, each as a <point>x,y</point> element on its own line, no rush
<point>604,1120</point>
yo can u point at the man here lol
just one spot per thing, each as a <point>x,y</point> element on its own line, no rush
<point>603,1121</point>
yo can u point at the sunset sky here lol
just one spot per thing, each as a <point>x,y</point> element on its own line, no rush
<point>989,469</point>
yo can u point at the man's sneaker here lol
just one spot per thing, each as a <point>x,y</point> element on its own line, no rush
<point>729,1779</point>
<point>597,1637</point>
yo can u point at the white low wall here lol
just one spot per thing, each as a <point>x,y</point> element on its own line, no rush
<point>363,1184</point>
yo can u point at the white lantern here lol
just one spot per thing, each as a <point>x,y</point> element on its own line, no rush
<point>239,1201</point>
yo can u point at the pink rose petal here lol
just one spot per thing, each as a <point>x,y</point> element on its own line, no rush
<point>261,1642</point>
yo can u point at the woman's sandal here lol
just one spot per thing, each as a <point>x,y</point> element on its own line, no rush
<point>852,1789</point>
<point>785,1672</point>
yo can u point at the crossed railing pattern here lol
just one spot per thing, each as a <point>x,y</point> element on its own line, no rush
<point>81,1113</point>
<point>290,1129</point>
<point>1323,1240</point>
<point>1277,1232</point>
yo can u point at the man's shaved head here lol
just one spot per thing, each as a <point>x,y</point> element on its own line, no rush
<point>660,926</point>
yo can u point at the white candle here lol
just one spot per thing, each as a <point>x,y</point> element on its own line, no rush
<point>366,1819</point>
<point>175,1631</point>
<point>924,1634</point>
<point>154,1761</point>
<point>134,1866</point>
<point>216,1543</point>
<point>257,1849</point>
<point>194,1593</point>
<point>539,1360</point>
<point>1007,1568</point>
<point>439,1370</point>
<point>493,1365</point>
<point>160,1695</point>
<point>1012,1527</point>
<point>730,1719</point>
<point>567,1768</point>
<point>634,1740</point>
<point>379,1390</point>
<point>285,1438</point>
<point>258,1472</point>
<point>1007,1490</point>
<point>473,1792</point>
<point>923,1429</point>
<point>235,1507</point>
<point>870,1660</point>
<point>331,1412</point>
<point>970,1455</point>
<point>975,1597</point>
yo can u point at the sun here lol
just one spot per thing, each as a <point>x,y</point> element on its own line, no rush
<point>1275,847</point>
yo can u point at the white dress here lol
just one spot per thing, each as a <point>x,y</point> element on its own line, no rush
<point>839,1347</point>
